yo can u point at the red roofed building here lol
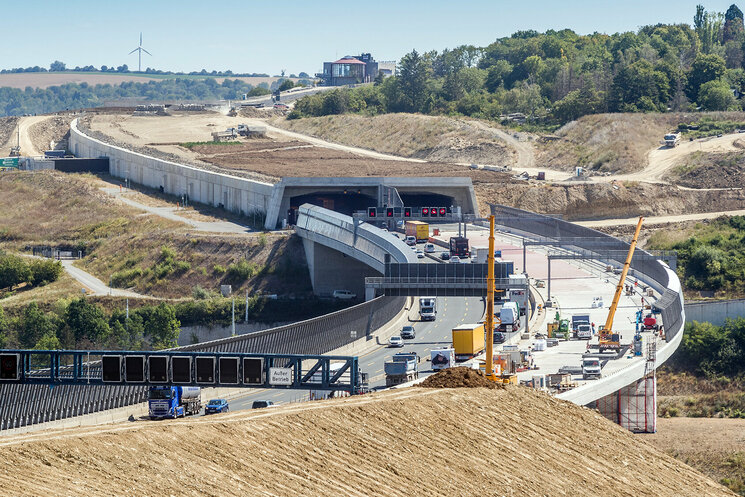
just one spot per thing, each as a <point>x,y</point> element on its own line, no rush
<point>349,70</point>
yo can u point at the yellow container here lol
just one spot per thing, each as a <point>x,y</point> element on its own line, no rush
<point>468,339</point>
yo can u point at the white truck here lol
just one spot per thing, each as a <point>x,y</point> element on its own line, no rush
<point>509,317</point>
<point>591,368</point>
<point>581,326</point>
<point>427,308</point>
<point>671,140</point>
<point>442,358</point>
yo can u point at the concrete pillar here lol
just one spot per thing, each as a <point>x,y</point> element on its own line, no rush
<point>326,276</point>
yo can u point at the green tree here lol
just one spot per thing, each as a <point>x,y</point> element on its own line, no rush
<point>639,87</point>
<point>163,327</point>
<point>48,342</point>
<point>716,95</point>
<point>578,103</point>
<point>708,27</point>
<point>704,69</point>
<point>13,271</point>
<point>35,325</point>
<point>733,27</point>
<point>57,66</point>
<point>3,329</point>
<point>44,271</point>
<point>286,85</point>
<point>414,72</point>
<point>497,75</point>
<point>86,321</point>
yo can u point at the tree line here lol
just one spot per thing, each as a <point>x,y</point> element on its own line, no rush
<point>59,66</point>
<point>558,76</point>
<point>712,351</point>
<point>14,101</point>
<point>15,270</point>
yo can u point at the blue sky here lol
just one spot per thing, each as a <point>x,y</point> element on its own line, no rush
<point>252,36</point>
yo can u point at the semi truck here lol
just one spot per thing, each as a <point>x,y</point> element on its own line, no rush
<point>509,317</point>
<point>581,327</point>
<point>173,402</point>
<point>459,247</point>
<point>402,368</point>
<point>442,358</point>
<point>427,308</point>
<point>481,253</point>
<point>468,341</point>
<point>418,229</point>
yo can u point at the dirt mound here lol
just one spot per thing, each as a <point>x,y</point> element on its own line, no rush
<point>50,132</point>
<point>7,135</point>
<point>460,377</point>
<point>405,443</point>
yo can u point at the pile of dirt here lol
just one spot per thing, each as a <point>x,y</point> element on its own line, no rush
<point>712,169</point>
<point>47,134</point>
<point>405,443</point>
<point>460,377</point>
<point>7,136</point>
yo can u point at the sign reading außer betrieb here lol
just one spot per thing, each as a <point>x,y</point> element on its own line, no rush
<point>9,162</point>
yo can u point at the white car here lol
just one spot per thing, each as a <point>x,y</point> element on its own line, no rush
<point>396,341</point>
<point>344,295</point>
<point>419,254</point>
<point>455,260</point>
<point>410,240</point>
<point>429,248</point>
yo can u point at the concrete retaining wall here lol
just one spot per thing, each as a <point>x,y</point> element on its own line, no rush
<point>239,195</point>
<point>714,312</point>
<point>207,333</point>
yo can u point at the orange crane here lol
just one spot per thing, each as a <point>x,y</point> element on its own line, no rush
<point>609,340</point>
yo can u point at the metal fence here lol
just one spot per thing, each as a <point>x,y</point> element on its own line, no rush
<point>670,302</point>
<point>22,405</point>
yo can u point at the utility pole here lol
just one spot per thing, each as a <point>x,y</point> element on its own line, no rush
<point>490,304</point>
<point>233,324</point>
<point>246,320</point>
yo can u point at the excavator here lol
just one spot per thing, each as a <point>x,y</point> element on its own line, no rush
<point>609,341</point>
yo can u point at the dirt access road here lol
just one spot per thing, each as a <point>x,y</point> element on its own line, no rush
<point>28,149</point>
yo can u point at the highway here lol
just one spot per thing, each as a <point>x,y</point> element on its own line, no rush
<point>451,312</point>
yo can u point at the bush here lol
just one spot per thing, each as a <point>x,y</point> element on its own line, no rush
<point>13,271</point>
<point>241,271</point>
<point>125,278</point>
<point>218,270</point>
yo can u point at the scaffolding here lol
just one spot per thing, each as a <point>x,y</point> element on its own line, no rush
<point>635,406</point>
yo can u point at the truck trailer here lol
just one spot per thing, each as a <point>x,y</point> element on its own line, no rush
<point>173,402</point>
<point>427,308</point>
<point>468,341</point>
<point>442,358</point>
<point>417,229</point>
<point>459,247</point>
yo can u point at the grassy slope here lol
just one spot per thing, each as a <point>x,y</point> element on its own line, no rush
<point>54,208</point>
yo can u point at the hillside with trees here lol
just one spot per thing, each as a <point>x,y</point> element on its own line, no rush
<point>559,76</point>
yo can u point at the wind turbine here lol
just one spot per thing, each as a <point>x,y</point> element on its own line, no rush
<point>139,55</point>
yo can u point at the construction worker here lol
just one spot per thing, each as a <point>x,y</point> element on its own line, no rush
<point>593,328</point>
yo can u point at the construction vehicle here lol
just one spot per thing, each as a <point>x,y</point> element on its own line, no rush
<point>232,112</point>
<point>15,151</point>
<point>442,358</point>
<point>402,368</point>
<point>591,368</point>
<point>581,326</point>
<point>608,340</point>
<point>649,323</point>
<point>468,341</point>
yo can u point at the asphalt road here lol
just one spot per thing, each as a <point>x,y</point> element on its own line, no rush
<point>451,312</point>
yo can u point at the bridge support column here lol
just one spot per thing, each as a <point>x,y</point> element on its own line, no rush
<point>634,407</point>
<point>331,270</point>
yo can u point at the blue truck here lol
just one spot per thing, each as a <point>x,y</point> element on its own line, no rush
<point>173,402</point>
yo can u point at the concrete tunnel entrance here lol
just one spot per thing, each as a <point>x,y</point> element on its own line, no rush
<point>349,201</point>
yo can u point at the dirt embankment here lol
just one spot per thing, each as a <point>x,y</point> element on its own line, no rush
<point>8,126</point>
<point>47,134</point>
<point>607,200</point>
<point>712,170</point>
<point>438,139</point>
<point>405,443</point>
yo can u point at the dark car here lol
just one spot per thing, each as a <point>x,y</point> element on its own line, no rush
<point>499,337</point>
<point>408,332</point>
<point>444,256</point>
<point>216,405</point>
<point>260,404</point>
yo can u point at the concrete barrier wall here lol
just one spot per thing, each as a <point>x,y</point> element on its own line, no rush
<point>209,333</point>
<point>715,312</point>
<point>239,195</point>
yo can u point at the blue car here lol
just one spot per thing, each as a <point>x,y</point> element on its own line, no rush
<point>216,405</point>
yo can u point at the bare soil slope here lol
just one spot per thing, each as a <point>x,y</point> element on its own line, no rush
<point>615,143</point>
<point>7,134</point>
<point>54,129</point>
<point>434,138</point>
<point>463,442</point>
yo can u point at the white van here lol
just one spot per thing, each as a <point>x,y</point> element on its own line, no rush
<point>411,240</point>
<point>429,248</point>
<point>343,295</point>
<point>509,317</point>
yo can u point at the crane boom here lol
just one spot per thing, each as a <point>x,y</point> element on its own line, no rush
<point>608,328</point>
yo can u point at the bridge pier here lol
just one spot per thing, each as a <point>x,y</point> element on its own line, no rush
<point>332,270</point>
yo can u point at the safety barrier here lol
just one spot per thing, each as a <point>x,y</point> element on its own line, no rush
<point>24,405</point>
